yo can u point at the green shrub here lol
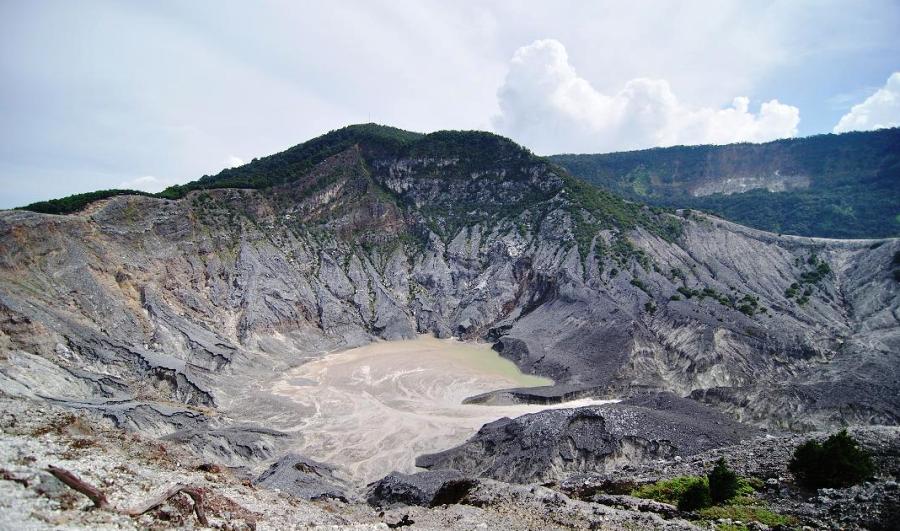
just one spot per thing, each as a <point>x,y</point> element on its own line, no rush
<point>689,493</point>
<point>723,482</point>
<point>838,462</point>
<point>667,490</point>
<point>696,496</point>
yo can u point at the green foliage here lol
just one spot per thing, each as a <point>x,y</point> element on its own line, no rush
<point>838,462</point>
<point>687,292</point>
<point>695,496</point>
<point>77,202</point>
<point>747,486</point>
<point>594,209</point>
<point>854,178</point>
<point>820,270</point>
<point>748,305</point>
<point>723,482</point>
<point>291,164</point>
<point>792,290</point>
<point>719,495</point>
<point>747,513</point>
<point>811,277</point>
<point>669,490</point>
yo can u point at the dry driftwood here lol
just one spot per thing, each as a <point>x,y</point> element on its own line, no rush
<point>96,495</point>
<point>100,501</point>
<point>195,494</point>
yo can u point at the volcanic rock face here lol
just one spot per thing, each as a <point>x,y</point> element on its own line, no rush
<point>409,489</point>
<point>553,444</point>
<point>169,315</point>
<point>303,478</point>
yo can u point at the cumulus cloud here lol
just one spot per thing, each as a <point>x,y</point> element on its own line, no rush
<point>233,162</point>
<point>880,110</point>
<point>546,105</point>
<point>147,183</point>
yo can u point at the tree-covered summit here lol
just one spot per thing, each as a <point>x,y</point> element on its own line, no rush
<point>470,151</point>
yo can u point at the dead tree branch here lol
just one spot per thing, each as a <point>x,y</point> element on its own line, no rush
<point>195,494</point>
<point>100,501</point>
<point>96,495</point>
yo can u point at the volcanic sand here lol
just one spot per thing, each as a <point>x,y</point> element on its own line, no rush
<point>378,406</point>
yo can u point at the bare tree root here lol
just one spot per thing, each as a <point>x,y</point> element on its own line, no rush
<point>96,495</point>
<point>101,502</point>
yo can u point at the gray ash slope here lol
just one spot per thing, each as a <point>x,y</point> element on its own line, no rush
<point>166,314</point>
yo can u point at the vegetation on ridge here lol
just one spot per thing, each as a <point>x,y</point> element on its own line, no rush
<point>841,186</point>
<point>294,162</point>
<point>460,167</point>
<point>77,202</point>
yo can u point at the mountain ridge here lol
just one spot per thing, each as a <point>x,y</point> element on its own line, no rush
<point>845,186</point>
<point>734,181</point>
<point>176,317</point>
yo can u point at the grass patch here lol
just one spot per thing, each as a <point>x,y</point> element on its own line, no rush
<point>744,506</point>
<point>668,490</point>
<point>747,513</point>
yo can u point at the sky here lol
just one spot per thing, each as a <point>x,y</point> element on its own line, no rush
<point>100,94</point>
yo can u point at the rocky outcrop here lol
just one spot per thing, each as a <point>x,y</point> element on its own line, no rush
<point>553,444</point>
<point>556,509</point>
<point>409,489</point>
<point>303,478</point>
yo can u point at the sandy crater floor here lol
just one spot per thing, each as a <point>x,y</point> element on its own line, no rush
<point>379,406</point>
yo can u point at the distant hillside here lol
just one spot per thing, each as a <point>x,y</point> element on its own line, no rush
<point>839,186</point>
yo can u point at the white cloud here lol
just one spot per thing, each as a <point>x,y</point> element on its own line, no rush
<point>546,105</point>
<point>233,162</point>
<point>148,183</point>
<point>880,110</point>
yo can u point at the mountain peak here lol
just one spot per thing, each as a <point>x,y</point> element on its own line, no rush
<point>377,142</point>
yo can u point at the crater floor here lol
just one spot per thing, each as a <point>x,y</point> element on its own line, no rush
<point>378,406</point>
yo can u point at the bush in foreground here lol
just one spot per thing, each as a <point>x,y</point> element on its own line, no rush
<point>723,482</point>
<point>667,490</point>
<point>837,462</point>
<point>696,496</point>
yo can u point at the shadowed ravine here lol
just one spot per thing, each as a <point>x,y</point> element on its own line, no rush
<point>379,406</point>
